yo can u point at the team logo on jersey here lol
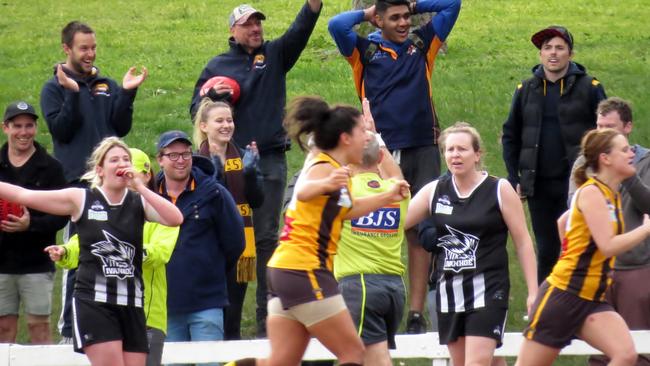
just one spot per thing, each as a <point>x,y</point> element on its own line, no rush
<point>411,50</point>
<point>97,212</point>
<point>101,89</point>
<point>382,222</point>
<point>259,62</point>
<point>374,184</point>
<point>116,255</point>
<point>443,206</point>
<point>460,250</point>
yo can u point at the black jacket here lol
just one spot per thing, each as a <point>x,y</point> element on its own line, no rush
<point>576,111</point>
<point>22,252</point>
<point>79,121</point>
<point>262,80</point>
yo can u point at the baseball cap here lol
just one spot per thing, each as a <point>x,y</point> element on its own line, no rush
<point>17,108</point>
<point>167,138</point>
<point>550,32</point>
<point>140,160</point>
<point>241,14</point>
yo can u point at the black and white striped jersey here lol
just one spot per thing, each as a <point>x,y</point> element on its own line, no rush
<point>471,260</point>
<point>110,249</point>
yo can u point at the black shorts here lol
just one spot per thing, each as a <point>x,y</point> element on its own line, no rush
<point>489,322</point>
<point>376,303</point>
<point>97,322</point>
<point>558,315</point>
<point>295,287</point>
<point>420,165</point>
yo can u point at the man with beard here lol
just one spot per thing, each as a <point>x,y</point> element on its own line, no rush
<point>210,241</point>
<point>81,108</point>
<point>260,68</point>
<point>550,112</point>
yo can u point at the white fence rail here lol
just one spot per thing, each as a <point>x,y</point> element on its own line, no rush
<point>408,346</point>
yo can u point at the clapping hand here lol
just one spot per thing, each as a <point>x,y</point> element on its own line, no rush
<point>133,80</point>
<point>64,80</point>
<point>251,156</point>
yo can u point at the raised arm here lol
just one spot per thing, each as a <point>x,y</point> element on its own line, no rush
<point>513,214</point>
<point>295,39</point>
<point>63,202</point>
<point>341,29</point>
<point>446,15</point>
<point>593,206</point>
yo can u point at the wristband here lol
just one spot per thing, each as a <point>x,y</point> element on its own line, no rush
<point>380,141</point>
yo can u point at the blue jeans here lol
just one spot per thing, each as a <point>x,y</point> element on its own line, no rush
<point>204,325</point>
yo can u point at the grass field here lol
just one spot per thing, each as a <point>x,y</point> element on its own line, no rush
<point>489,53</point>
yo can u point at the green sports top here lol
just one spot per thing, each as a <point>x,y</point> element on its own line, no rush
<point>372,243</point>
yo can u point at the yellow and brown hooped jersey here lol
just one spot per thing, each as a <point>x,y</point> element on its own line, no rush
<point>311,229</point>
<point>582,268</point>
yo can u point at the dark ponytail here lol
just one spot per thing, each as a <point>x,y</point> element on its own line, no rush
<point>312,115</point>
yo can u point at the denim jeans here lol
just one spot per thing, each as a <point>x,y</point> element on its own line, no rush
<point>204,325</point>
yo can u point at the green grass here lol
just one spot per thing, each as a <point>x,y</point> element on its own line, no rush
<point>489,53</point>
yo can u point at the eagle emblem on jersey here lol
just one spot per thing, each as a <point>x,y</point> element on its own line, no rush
<point>460,250</point>
<point>116,255</point>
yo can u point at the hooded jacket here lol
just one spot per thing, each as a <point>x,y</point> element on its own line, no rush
<point>210,241</point>
<point>78,121</point>
<point>522,131</point>
<point>22,252</point>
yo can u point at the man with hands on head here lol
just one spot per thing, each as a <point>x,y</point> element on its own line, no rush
<point>260,68</point>
<point>392,68</point>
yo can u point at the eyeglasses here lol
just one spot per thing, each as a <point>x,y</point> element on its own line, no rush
<point>174,156</point>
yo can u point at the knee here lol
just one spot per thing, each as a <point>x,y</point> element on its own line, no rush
<point>355,352</point>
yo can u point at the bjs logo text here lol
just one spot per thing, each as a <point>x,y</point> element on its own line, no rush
<point>384,220</point>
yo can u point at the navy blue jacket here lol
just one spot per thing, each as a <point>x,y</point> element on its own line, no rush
<point>262,80</point>
<point>210,241</point>
<point>78,121</point>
